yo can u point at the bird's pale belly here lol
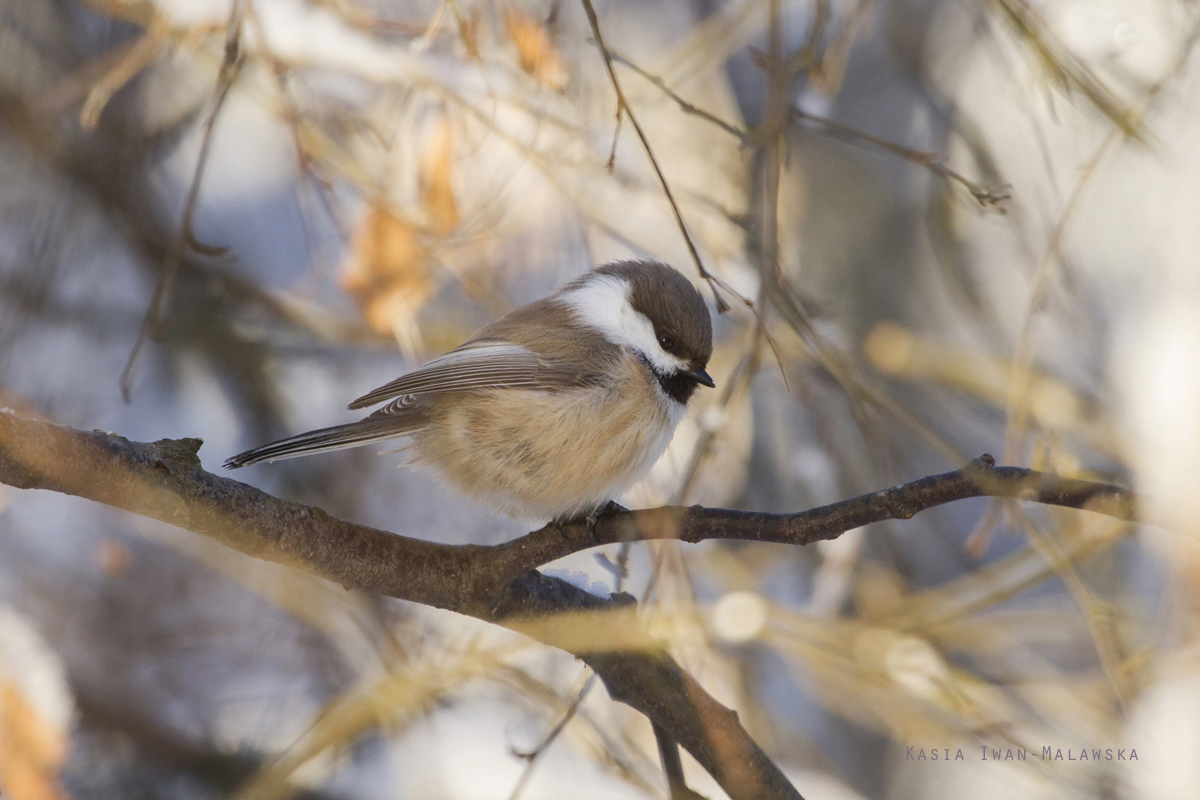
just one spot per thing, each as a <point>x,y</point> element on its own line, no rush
<point>542,456</point>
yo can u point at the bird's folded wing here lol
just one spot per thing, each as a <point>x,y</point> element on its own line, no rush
<point>481,364</point>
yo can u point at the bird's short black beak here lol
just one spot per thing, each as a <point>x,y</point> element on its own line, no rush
<point>703,378</point>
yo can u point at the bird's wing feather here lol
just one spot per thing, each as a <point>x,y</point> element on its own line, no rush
<point>336,438</point>
<point>559,355</point>
<point>479,364</point>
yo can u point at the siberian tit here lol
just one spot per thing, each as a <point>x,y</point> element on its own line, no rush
<point>553,410</point>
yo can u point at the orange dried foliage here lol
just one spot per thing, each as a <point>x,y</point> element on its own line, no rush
<point>113,557</point>
<point>387,269</point>
<point>32,750</point>
<point>468,28</point>
<point>437,163</point>
<point>536,51</point>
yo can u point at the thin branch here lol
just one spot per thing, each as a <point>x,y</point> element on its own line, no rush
<point>860,394</point>
<point>780,83</point>
<point>782,298</point>
<point>461,24</point>
<point>133,61</point>
<point>164,480</point>
<point>1068,69</point>
<point>668,751</point>
<point>772,138</point>
<point>988,198</point>
<point>1109,650</point>
<point>532,756</point>
<point>1023,350</point>
<point>622,103</point>
<point>743,136</point>
<point>184,238</point>
<point>611,164</point>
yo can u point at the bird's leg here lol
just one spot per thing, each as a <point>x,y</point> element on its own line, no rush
<point>590,519</point>
<point>609,507</point>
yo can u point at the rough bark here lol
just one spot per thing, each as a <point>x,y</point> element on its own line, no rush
<point>499,584</point>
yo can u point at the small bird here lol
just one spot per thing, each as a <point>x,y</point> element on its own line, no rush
<point>553,410</point>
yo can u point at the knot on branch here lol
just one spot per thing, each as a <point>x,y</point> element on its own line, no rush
<point>177,454</point>
<point>980,470</point>
<point>899,503</point>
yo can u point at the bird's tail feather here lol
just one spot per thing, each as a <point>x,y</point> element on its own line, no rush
<point>336,438</point>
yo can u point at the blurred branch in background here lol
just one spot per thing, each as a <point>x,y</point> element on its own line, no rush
<point>185,236</point>
<point>532,756</point>
<point>624,109</point>
<point>1128,125</point>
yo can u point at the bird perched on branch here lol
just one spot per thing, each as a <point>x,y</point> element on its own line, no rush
<point>553,410</point>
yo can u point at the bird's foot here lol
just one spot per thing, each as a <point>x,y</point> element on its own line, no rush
<point>596,513</point>
<point>589,520</point>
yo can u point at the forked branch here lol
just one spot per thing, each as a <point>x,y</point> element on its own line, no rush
<point>164,480</point>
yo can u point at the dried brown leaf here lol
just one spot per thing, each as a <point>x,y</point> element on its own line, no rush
<point>387,270</point>
<point>113,557</point>
<point>536,51</point>
<point>32,749</point>
<point>436,165</point>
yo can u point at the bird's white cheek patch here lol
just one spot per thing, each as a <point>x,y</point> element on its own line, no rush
<point>603,303</point>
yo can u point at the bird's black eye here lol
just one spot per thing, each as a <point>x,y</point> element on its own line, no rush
<point>666,342</point>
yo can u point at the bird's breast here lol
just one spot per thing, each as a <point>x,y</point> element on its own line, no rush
<point>551,454</point>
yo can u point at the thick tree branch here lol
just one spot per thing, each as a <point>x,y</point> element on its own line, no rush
<point>164,480</point>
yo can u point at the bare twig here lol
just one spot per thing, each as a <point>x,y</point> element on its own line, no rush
<point>668,751</point>
<point>594,21</point>
<point>990,198</point>
<point>532,757</point>
<point>1068,69</point>
<point>993,199</point>
<point>164,480</point>
<point>612,153</point>
<point>134,60</point>
<point>779,86</point>
<point>461,24</point>
<point>184,238</point>
<point>743,136</point>
<point>860,396</point>
<point>1023,351</point>
<point>772,138</point>
<point>732,390</point>
<point>1109,649</point>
